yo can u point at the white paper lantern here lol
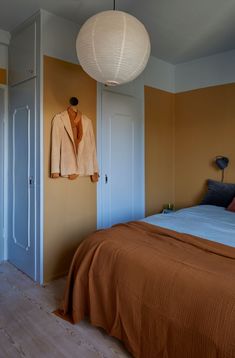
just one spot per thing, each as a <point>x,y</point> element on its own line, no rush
<point>113,47</point>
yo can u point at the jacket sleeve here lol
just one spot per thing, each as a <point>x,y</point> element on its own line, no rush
<point>93,149</point>
<point>56,136</point>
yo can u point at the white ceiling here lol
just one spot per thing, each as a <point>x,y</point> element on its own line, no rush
<point>180,30</point>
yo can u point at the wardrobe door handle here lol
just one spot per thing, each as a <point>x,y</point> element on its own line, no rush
<point>31,181</point>
<point>106,179</point>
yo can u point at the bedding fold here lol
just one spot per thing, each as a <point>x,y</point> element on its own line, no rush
<point>163,293</point>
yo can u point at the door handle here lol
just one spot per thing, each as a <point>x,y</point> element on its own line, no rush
<point>106,179</point>
<point>31,181</point>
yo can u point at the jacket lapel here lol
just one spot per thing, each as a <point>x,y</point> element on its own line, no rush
<point>68,128</point>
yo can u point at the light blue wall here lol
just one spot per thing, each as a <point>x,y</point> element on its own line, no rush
<point>206,71</point>
<point>59,37</point>
<point>4,42</point>
<point>2,211</point>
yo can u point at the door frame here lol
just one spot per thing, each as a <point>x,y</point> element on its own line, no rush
<point>5,172</point>
<point>99,156</point>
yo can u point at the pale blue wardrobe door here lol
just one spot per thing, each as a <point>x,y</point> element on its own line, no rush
<point>21,248</point>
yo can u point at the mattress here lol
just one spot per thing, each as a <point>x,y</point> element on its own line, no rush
<point>205,221</point>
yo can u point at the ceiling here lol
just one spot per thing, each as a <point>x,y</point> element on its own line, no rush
<point>180,30</point>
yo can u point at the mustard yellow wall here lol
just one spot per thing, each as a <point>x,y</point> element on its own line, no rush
<point>199,125</point>
<point>70,206</point>
<point>3,76</point>
<point>205,127</point>
<point>159,149</point>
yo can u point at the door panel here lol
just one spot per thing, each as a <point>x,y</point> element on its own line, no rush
<point>122,183</point>
<point>121,168</point>
<point>21,177</point>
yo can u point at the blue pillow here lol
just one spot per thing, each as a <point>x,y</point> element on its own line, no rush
<point>218,193</point>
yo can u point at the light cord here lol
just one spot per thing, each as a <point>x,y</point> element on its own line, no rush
<point>222,179</point>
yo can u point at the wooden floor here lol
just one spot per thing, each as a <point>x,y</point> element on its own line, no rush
<point>28,329</point>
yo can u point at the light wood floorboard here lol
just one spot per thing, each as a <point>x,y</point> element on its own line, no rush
<point>28,328</point>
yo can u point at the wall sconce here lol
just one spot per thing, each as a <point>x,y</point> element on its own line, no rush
<point>222,163</point>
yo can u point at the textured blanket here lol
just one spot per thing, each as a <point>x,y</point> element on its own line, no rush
<point>164,294</point>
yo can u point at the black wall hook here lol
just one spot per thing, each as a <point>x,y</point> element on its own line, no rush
<point>73,101</point>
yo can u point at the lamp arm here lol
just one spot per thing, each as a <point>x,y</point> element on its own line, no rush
<point>222,178</point>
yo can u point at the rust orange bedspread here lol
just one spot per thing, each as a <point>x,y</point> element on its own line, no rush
<point>164,294</point>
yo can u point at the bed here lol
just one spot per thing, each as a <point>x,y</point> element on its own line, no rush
<point>164,286</point>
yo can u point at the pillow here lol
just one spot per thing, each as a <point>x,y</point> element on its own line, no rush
<point>218,193</point>
<point>231,206</point>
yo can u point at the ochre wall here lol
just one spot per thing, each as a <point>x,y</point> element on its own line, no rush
<point>69,205</point>
<point>3,76</point>
<point>205,127</point>
<point>183,134</point>
<point>159,149</point>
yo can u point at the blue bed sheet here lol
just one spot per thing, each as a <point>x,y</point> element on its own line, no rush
<point>206,221</point>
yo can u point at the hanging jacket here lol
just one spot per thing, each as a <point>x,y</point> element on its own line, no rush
<point>66,159</point>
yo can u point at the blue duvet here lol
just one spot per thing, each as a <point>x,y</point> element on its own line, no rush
<point>205,221</point>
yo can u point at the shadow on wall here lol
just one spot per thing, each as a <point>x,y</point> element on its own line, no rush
<point>65,254</point>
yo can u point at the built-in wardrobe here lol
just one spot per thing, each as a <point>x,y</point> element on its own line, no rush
<point>24,154</point>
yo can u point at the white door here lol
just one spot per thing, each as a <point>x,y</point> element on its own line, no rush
<point>21,229</point>
<point>122,168</point>
<point>2,113</point>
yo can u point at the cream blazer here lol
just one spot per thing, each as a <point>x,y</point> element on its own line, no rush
<point>64,159</point>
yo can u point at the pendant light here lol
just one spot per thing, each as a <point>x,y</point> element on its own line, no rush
<point>113,47</point>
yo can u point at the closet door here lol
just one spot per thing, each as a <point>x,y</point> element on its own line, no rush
<point>121,181</point>
<point>21,233</point>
